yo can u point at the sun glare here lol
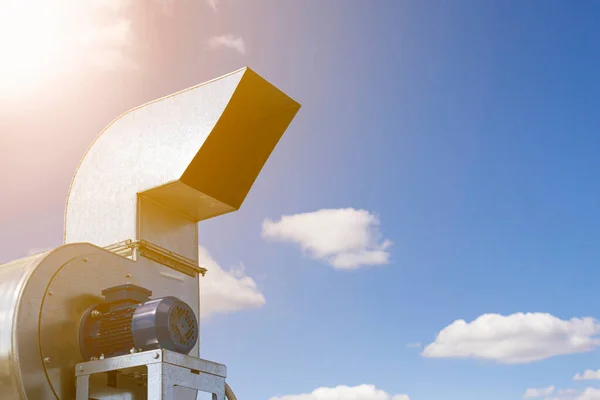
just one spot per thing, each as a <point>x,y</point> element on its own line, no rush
<point>31,41</point>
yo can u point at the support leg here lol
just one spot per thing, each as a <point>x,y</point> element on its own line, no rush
<point>159,385</point>
<point>219,396</point>
<point>83,387</point>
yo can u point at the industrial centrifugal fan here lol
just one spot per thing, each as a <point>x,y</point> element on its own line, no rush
<point>113,313</point>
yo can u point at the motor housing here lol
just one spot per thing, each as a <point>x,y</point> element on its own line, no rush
<point>129,321</point>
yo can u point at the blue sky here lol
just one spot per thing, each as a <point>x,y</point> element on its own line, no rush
<point>469,128</point>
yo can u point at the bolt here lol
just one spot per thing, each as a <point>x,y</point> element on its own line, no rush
<point>50,293</point>
<point>96,314</point>
<point>80,368</point>
<point>156,356</point>
<point>47,360</point>
<point>132,350</point>
<point>128,276</point>
<point>102,356</point>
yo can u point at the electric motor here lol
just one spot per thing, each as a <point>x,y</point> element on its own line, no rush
<point>128,321</point>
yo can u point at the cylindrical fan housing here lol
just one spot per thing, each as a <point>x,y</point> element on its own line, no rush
<point>43,299</point>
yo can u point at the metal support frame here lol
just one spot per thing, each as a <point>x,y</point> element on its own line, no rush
<point>166,370</point>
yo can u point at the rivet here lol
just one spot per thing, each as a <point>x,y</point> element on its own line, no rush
<point>80,368</point>
<point>50,293</point>
<point>156,356</point>
<point>47,360</point>
<point>128,276</point>
<point>95,314</point>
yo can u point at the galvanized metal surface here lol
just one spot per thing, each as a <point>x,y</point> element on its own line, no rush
<point>165,372</point>
<point>147,147</point>
<point>13,277</point>
<point>24,283</point>
<point>150,357</point>
<point>160,168</point>
<point>42,300</point>
<point>158,254</point>
<point>61,312</point>
<point>148,178</point>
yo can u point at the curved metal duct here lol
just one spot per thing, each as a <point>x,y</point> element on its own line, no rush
<point>160,168</point>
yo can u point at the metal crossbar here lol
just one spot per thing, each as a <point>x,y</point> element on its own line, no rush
<point>166,370</point>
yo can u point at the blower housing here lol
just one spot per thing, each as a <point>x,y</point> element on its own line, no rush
<point>122,292</point>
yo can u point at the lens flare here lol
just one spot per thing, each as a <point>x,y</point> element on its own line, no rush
<point>31,39</point>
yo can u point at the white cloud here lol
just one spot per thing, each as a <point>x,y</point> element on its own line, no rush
<point>228,41</point>
<point>531,393</point>
<point>588,375</point>
<point>112,59</point>
<point>361,392</point>
<point>574,394</point>
<point>115,34</point>
<point>222,292</point>
<point>99,33</point>
<point>567,394</point>
<point>213,4</point>
<point>110,44</point>
<point>515,339</point>
<point>589,394</point>
<point>345,238</point>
